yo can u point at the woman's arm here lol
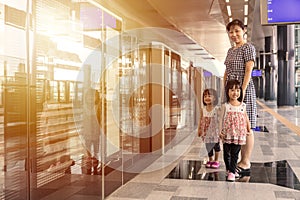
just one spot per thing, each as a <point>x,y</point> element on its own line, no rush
<point>224,78</point>
<point>223,96</point>
<point>248,70</point>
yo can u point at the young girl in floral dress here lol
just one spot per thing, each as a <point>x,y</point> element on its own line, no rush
<point>208,127</point>
<point>235,126</point>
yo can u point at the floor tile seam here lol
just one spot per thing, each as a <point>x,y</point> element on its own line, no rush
<point>228,186</point>
<point>280,118</point>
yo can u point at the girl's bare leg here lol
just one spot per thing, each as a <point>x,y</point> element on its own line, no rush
<point>217,156</point>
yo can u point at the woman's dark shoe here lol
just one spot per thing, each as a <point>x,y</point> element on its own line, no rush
<point>243,171</point>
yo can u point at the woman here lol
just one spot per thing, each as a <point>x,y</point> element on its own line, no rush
<point>239,64</point>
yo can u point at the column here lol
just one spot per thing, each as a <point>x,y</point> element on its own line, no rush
<point>286,63</point>
<point>261,93</point>
<point>269,71</point>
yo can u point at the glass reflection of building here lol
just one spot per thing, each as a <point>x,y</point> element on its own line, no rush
<point>297,64</point>
<point>51,53</point>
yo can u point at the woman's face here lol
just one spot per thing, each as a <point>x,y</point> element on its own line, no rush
<point>236,34</point>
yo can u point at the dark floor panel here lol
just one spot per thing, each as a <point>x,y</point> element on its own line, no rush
<point>278,173</point>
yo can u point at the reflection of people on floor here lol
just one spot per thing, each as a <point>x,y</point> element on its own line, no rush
<point>208,127</point>
<point>213,176</point>
<point>91,131</point>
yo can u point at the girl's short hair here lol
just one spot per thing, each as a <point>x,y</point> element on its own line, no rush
<point>235,22</point>
<point>212,92</point>
<point>230,85</point>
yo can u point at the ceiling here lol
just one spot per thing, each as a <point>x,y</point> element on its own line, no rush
<point>194,28</point>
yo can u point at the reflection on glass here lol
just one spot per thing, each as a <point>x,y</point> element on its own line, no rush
<point>62,91</point>
<point>47,112</point>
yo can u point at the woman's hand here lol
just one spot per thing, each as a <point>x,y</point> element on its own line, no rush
<point>250,132</point>
<point>244,94</point>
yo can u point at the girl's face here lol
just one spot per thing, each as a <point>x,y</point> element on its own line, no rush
<point>236,34</point>
<point>234,93</point>
<point>209,99</point>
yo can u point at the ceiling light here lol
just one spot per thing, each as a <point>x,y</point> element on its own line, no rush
<point>198,49</point>
<point>228,10</point>
<point>227,1</point>
<point>245,21</point>
<point>246,9</point>
<point>202,54</point>
<point>246,0</point>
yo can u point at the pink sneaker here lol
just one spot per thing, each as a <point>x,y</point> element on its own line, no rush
<point>237,175</point>
<point>231,177</point>
<point>208,164</point>
<point>215,165</point>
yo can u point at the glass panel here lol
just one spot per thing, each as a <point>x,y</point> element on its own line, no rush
<point>175,90</point>
<point>13,129</point>
<point>14,91</point>
<point>76,81</point>
<point>53,91</point>
<point>111,146</point>
<point>62,92</point>
<point>66,88</point>
<point>167,65</point>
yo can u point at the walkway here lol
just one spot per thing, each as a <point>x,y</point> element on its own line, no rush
<point>275,167</point>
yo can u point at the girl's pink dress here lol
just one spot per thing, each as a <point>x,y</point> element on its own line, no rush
<point>235,124</point>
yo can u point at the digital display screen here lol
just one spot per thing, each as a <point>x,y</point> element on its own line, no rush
<point>283,11</point>
<point>280,12</point>
<point>256,73</point>
<point>207,73</point>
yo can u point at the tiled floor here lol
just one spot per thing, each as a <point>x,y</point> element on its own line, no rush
<point>275,167</point>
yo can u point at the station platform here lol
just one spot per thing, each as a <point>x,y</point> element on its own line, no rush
<point>275,170</point>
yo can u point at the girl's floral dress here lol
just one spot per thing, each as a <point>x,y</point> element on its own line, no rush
<point>235,125</point>
<point>209,125</point>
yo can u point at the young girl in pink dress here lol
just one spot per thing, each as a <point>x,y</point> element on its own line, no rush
<point>208,127</point>
<point>235,126</point>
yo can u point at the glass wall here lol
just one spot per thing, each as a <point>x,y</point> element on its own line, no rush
<point>17,119</point>
<point>77,100</point>
<point>52,92</point>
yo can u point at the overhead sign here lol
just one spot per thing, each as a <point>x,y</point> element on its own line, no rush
<point>279,12</point>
